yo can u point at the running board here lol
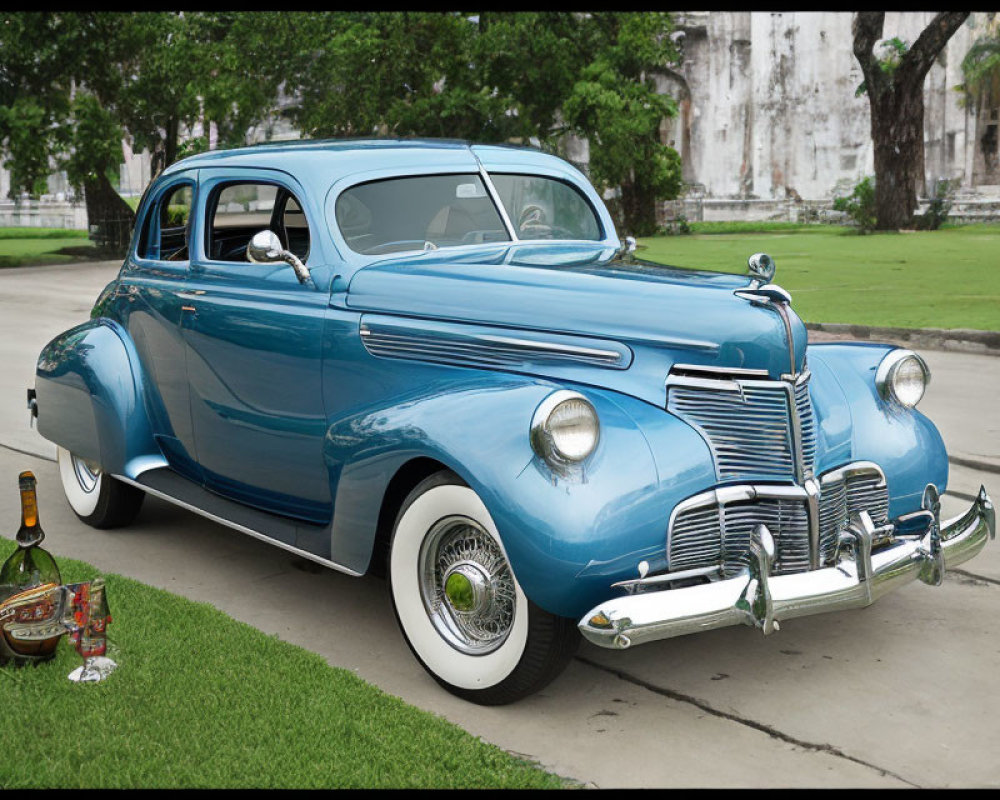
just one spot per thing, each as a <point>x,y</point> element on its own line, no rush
<point>168,485</point>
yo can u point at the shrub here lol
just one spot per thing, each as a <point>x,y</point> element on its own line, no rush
<point>937,211</point>
<point>677,226</point>
<point>859,205</point>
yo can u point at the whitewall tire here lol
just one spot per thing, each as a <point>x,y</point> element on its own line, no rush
<point>461,610</point>
<point>96,498</point>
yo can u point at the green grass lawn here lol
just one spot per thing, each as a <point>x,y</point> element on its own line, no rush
<point>948,278</point>
<point>23,247</point>
<point>201,700</point>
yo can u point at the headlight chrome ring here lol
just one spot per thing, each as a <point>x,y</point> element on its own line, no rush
<point>902,377</point>
<point>565,429</point>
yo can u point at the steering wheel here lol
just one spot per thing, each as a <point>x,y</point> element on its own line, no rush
<point>531,216</point>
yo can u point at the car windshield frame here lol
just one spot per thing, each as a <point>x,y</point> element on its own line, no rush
<point>485,176</point>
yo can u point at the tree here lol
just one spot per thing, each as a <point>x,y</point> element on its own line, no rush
<point>73,85</point>
<point>616,106</point>
<point>497,78</point>
<point>895,95</point>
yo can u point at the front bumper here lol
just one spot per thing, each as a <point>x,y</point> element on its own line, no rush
<point>758,599</point>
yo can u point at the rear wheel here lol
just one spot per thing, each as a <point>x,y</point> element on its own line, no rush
<point>95,497</point>
<point>460,608</point>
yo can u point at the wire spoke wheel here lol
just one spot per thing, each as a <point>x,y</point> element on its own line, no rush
<point>467,586</point>
<point>459,604</point>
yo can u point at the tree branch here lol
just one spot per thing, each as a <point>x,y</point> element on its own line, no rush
<point>866,27</point>
<point>918,59</point>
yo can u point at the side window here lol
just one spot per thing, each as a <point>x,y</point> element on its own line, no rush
<point>239,210</point>
<point>165,235</point>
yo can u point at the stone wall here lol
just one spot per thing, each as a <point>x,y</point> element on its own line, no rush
<point>767,105</point>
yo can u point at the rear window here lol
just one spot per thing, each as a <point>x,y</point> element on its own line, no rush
<point>417,213</point>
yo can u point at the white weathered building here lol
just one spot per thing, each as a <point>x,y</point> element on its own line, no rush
<point>768,111</point>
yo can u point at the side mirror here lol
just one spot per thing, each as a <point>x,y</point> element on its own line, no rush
<point>265,248</point>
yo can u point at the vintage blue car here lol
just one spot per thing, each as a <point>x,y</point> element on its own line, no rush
<point>437,361</point>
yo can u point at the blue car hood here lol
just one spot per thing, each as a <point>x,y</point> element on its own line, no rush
<point>665,315</point>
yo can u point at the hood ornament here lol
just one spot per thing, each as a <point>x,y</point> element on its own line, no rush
<point>762,268</point>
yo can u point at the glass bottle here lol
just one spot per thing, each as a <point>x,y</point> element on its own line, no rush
<point>29,565</point>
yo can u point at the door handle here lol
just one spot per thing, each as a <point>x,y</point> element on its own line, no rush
<point>188,308</point>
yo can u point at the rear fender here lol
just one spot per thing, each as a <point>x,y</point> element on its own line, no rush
<point>90,393</point>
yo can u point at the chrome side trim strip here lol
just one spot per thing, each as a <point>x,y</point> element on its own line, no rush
<point>427,342</point>
<point>241,528</point>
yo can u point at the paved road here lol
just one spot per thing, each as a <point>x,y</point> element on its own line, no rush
<point>899,694</point>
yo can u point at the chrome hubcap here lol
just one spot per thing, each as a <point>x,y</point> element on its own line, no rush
<point>87,473</point>
<point>466,585</point>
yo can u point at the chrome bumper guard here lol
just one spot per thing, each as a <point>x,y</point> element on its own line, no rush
<point>757,599</point>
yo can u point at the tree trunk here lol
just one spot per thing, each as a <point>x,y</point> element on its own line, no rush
<point>109,217</point>
<point>170,145</point>
<point>638,204</point>
<point>898,136</point>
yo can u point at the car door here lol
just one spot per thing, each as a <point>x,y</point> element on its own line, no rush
<point>150,299</point>
<point>254,338</point>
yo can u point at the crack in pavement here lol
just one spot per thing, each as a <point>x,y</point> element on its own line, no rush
<point>973,575</point>
<point>774,733</point>
<point>27,452</point>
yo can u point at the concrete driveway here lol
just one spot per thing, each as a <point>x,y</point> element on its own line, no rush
<point>898,694</point>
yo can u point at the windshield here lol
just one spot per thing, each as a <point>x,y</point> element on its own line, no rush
<point>426,212</point>
<point>423,212</point>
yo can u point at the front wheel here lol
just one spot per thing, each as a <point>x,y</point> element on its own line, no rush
<point>96,498</point>
<point>460,608</point>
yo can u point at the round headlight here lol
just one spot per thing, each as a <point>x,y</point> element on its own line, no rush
<point>902,376</point>
<point>565,428</point>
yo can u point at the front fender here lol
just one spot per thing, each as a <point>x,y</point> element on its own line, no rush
<point>90,398</point>
<point>903,442</point>
<point>566,535</point>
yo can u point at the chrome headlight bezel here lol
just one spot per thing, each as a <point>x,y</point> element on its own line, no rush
<point>544,440</point>
<point>888,370</point>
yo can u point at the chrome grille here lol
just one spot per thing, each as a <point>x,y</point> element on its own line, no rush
<point>847,491</point>
<point>788,522</point>
<point>868,493</point>
<point>713,528</point>
<point>807,424</point>
<point>695,539</point>
<point>748,424</point>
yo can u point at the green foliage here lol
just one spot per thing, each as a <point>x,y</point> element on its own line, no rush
<point>892,53</point>
<point>28,159</point>
<point>497,77</point>
<point>981,65</point>
<point>200,700</point>
<point>859,205</point>
<point>616,106</point>
<point>491,77</point>
<point>95,140</point>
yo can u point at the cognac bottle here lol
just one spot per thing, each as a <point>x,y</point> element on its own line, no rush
<point>29,565</point>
